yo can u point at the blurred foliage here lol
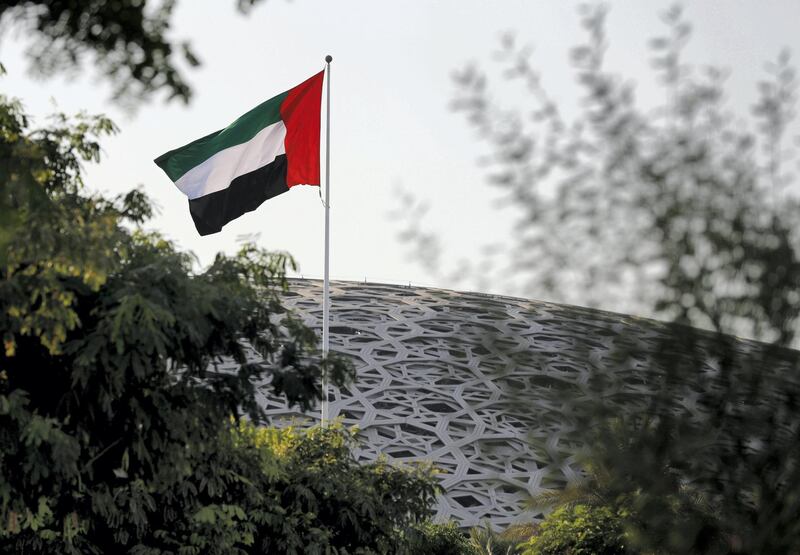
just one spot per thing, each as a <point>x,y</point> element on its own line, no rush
<point>580,530</point>
<point>127,41</point>
<point>701,446</point>
<point>595,510</point>
<point>681,211</point>
<point>694,436</point>
<point>677,210</point>
<point>115,419</point>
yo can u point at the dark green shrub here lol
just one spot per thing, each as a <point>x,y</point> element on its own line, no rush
<point>315,498</point>
<point>429,538</point>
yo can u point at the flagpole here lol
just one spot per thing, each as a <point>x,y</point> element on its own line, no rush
<point>326,281</point>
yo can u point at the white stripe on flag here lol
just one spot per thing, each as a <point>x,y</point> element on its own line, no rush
<point>217,172</point>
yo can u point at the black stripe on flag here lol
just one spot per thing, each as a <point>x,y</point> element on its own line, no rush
<point>245,194</point>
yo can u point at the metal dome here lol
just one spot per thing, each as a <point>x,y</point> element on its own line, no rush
<point>440,375</point>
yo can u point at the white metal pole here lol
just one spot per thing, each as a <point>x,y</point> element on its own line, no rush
<point>326,281</point>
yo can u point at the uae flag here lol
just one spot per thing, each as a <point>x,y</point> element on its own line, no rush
<point>264,153</point>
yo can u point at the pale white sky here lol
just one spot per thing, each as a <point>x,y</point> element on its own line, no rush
<point>391,124</point>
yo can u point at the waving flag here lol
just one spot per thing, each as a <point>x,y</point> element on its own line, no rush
<point>264,153</point>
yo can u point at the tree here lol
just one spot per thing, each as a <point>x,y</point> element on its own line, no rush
<point>678,211</point>
<point>705,459</point>
<point>115,430</point>
<point>596,510</point>
<point>313,497</point>
<point>127,42</point>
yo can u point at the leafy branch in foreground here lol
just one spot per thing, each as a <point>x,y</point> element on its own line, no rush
<point>127,41</point>
<point>115,413</point>
<point>679,210</point>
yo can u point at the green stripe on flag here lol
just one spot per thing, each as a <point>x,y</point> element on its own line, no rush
<point>179,161</point>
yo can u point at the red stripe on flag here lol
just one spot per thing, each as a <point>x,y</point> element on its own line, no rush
<point>301,111</point>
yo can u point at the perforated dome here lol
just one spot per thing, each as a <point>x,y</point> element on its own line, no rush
<point>440,375</point>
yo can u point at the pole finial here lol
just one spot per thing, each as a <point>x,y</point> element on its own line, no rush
<point>328,58</point>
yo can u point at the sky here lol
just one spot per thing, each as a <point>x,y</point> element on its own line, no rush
<point>392,126</point>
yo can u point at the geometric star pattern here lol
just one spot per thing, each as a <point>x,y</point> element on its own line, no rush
<point>439,378</point>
